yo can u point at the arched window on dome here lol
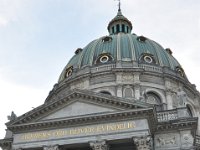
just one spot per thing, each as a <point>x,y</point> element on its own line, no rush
<point>189,110</point>
<point>106,92</point>
<point>153,98</point>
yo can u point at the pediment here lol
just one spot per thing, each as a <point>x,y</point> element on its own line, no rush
<point>78,108</point>
<point>77,103</point>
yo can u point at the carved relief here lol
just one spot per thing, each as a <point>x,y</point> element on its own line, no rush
<point>99,145</point>
<point>187,140</point>
<point>170,141</point>
<point>143,143</point>
<point>126,77</point>
<point>166,140</point>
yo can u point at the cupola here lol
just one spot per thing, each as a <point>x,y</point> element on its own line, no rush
<point>119,24</point>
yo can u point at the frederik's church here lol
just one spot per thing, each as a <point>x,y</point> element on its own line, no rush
<point>122,91</point>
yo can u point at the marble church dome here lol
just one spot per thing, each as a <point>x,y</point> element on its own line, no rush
<point>122,46</point>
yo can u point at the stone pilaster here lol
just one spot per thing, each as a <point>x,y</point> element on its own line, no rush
<point>119,91</point>
<point>169,99</point>
<point>137,91</point>
<point>51,147</point>
<point>99,145</point>
<point>143,143</point>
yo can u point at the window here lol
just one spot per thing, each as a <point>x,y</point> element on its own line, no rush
<point>69,72</point>
<point>154,99</point>
<point>123,28</point>
<point>113,30</point>
<point>128,92</point>
<point>189,110</point>
<point>106,92</point>
<point>180,71</point>
<point>104,58</point>
<point>147,58</point>
<point>107,39</point>
<point>118,28</point>
<point>141,38</point>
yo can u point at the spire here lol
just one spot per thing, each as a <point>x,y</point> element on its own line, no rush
<point>119,9</point>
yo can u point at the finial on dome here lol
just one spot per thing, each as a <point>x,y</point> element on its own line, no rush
<point>119,5</point>
<point>119,24</point>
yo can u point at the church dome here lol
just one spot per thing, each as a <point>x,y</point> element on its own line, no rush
<point>122,47</point>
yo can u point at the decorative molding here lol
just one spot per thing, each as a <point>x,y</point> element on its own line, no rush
<point>143,143</point>
<point>6,144</point>
<point>75,94</point>
<point>51,147</point>
<point>89,119</point>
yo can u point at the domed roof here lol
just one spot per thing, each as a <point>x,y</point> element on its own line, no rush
<point>121,46</point>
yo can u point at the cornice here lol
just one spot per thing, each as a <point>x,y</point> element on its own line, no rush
<point>75,94</point>
<point>88,119</point>
<point>178,124</point>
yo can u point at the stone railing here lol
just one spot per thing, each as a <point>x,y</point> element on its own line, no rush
<point>103,68</point>
<point>151,68</point>
<point>173,114</point>
<point>167,115</point>
<point>197,141</point>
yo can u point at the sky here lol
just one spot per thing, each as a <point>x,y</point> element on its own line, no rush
<point>38,37</point>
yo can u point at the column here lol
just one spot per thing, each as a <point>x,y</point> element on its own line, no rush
<point>143,143</point>
<point>51,147</point>
<point>99,145</point>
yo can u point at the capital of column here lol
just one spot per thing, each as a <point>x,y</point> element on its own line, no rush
<point>51,147</point>
<point>143,143</point>
<point>99,145</point>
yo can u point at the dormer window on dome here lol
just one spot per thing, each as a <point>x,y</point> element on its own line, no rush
<point>147,58</point>
<point>69,72</point>
<point>107,39</point>
<point>141,38</point>
<point>78,50</point>
<point>104,58</point>
<point>180,71</point>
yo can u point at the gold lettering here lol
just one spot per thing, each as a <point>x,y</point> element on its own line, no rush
<point>79,131</point>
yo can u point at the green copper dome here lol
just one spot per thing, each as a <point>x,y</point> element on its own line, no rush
<point>121,47</point>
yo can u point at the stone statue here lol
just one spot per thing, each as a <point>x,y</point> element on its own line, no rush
<point>12,117</point>
<point>182,98</point>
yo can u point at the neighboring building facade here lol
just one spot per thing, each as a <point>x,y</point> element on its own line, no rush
<point>121,91</point>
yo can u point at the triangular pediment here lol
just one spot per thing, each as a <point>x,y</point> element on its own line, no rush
<point>78,108</point>
<point>77,103</point>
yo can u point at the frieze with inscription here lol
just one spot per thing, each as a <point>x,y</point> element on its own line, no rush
<point>73,132</point>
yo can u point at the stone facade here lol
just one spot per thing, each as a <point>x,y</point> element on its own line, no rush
<point>124,104</point>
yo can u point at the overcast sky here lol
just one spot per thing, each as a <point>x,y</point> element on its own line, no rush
<point>38,37</point>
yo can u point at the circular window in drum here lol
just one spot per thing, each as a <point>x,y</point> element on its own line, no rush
<point>69,72</point>
<point>104,58</point>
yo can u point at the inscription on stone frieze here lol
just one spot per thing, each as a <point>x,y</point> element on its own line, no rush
<point>79,131</point>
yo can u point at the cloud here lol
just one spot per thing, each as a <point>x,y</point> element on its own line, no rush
<point>3,21</point>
